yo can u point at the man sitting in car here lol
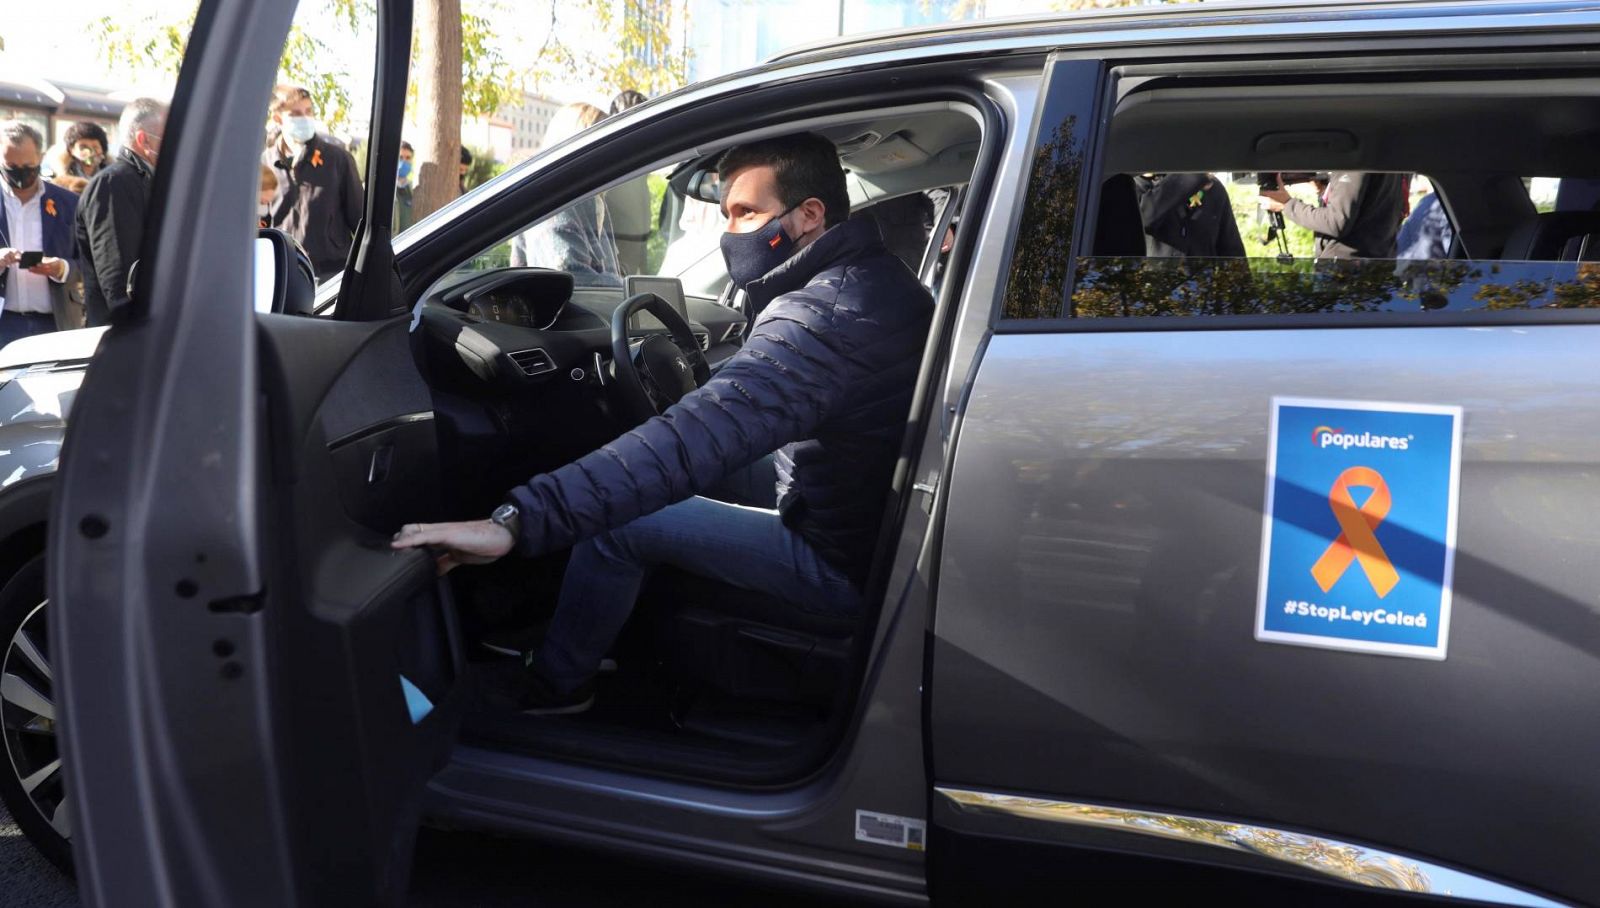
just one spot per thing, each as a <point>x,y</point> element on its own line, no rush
<point>825,380</point>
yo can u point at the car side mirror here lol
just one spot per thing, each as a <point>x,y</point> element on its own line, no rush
<point>284,282</point>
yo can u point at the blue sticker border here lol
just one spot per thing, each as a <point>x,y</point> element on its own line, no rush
<point>1436,652</point>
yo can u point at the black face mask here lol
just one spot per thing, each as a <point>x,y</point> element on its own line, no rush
<point>749,256</point>
<point>20,177</point>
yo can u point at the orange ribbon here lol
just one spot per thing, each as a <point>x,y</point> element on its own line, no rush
<point>316,157</point>
<point>50,207</point>
<point>1357,541</point>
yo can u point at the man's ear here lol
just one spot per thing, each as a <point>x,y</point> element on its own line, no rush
<point>811,216</point>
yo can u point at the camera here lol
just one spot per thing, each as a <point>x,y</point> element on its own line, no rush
<point>1270,180</point>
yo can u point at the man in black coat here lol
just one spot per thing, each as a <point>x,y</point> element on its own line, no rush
<point>110,220</point>
<point>319,198</point>
<point>1359,217</point>
<point>823,386</point>
<point>1187,214</point>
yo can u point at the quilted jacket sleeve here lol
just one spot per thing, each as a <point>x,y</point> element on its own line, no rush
<point>776,390</point>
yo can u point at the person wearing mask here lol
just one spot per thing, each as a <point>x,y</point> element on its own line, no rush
<point>318,201</point>
<point>81,154</point>
<point>577,239</point>
<point>1187,215</point>
<point>629,206</point>
<point>461,172</point>
<point>1359,217</point>
<point>35,217</point>
<point>110,223</point>
<point>403,189</point>
<point>825,381</point>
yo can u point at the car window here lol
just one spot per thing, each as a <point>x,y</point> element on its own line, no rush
<point>1260,239</point>
<point>638,227</point>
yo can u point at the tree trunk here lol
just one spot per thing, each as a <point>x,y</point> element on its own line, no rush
<point>438,78</point>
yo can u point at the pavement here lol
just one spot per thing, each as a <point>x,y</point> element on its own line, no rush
<point>458,870</point>
<point>26,879</point>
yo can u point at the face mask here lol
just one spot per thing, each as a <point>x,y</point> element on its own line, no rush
<point>749,256</point>
<point>20,177</point>
<point>88,156</point>
<point>405,171</point>
<point>299,130</point>
<point>263,211</point>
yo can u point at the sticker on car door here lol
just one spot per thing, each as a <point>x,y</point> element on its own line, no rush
<point>1359,529</point>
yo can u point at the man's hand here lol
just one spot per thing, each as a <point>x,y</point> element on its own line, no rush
<point>9,256</point>
<point>53,268</point>
<point>463,542</point>
<point>1274,199</point>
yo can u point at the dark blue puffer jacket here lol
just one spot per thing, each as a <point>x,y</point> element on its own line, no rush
<point>826,376</point>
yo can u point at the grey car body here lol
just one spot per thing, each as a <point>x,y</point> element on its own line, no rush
<point>1062,685</point>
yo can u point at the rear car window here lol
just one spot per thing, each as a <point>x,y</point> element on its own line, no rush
<point>1439,220</point>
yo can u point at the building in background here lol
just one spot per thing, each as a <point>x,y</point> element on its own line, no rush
<point>729,35</point>
<point>51,107</point>
<point>529,119</point>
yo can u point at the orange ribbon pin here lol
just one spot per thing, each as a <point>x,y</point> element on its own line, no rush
<point>316,157</point>
<point>50,207</point>
<point>1357,540</point>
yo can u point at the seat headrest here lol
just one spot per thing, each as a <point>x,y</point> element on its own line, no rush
<point>1548,237</point>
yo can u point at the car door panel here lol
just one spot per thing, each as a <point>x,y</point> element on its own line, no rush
<point>1096,683</point>
<point>352,417</point>
<point>1115,553</point>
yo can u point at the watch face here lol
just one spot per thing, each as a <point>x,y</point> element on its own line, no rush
<point>503,513</point>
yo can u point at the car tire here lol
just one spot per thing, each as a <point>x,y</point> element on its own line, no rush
<point>32,783</point>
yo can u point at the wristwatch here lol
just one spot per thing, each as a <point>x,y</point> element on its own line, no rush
<point>509,517</point>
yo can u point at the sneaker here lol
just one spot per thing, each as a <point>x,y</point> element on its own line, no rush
<point>537,698</point>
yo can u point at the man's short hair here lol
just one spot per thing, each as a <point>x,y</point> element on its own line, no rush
<point>286,96</point>
<point>466,155</point>
<point>806,166</point>
<point>140,114</point>
<point>13,132</point>
<point>406,146</point>
<point>84,131</point>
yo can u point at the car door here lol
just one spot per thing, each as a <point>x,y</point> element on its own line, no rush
<point>1112,702</point>
<point>255,688</point>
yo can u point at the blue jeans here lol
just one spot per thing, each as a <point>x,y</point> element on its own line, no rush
<point>737,544</point>
<point>17,325</point>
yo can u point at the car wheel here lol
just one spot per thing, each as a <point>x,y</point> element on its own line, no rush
<point>32,783</point>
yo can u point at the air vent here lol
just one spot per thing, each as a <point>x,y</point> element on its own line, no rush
<point>734,332</point>
<point>533,362</point>
<point>704,340</point>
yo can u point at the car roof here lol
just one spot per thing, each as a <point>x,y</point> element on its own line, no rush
<point>1257,16</point>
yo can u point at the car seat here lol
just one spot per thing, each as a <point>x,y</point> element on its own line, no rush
<point>1554,236</point>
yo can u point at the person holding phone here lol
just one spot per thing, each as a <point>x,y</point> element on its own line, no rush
<point>36,239</point>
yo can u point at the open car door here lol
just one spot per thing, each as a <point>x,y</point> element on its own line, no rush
<point>255,688</point>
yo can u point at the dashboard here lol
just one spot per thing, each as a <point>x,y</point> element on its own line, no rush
<point>513,329</point>
<point>508,307</point>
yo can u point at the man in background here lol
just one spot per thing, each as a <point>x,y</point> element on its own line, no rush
<point>35,217</point>
<point>1187,214</point>
<point>629,207</point>
<point>318,200</point>
<point>1359,217</point>
<point>110,222</point>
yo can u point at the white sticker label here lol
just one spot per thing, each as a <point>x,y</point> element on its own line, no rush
<point>888,829</point>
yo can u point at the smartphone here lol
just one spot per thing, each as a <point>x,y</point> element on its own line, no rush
<point>30,259</point>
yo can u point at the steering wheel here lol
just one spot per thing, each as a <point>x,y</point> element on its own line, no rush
<point>655,372</point>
